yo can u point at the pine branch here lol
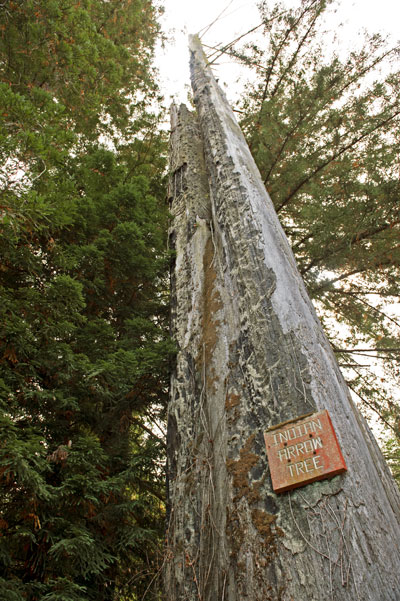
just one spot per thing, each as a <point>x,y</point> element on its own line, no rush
<point>364,302</point>
<point>208,27</point>
<point>366,235</point>
<point>371,406</point>
<point>338,279</point>
<point>139,423</point>
<point>234,54</point>
<point>288,137</point>
<point>295,55</point>
<point>329,101</point>
<point>228,46</point>
<point>303,240</point>
<point>274,59</point>
<point>333,157</point>
<point>151,489</point>
<point>369,350</point>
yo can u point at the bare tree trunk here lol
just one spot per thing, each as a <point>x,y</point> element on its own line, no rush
<point>252,354</point>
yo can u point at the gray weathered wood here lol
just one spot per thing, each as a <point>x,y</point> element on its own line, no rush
<point>253,354</point>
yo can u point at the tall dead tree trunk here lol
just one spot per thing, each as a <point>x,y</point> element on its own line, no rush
<point>252,354</point>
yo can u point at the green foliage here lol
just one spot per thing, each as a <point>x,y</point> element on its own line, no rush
<point>392,456</point>
<point>83,345</point>
<point>323,129</point>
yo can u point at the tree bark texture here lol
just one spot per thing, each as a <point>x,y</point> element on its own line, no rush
<point>252,354</point>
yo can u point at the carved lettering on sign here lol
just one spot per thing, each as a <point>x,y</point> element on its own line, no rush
<point>302,451</point>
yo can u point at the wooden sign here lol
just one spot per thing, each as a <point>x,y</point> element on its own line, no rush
<point>302,451</point>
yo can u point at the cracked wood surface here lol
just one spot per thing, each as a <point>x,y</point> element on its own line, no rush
<point>251,354</point>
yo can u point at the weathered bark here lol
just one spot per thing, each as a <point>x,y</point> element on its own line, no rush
<point>253,354</point>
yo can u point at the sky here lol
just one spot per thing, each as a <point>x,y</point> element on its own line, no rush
<point>182,17</point>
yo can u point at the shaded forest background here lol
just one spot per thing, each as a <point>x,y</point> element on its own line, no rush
<point>84,344</point>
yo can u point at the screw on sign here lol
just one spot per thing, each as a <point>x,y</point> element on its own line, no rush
<point>302,451</point>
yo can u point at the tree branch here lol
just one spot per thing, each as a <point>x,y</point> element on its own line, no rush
<point>367,234</point>
<point>333,157</point>
<point>364,302</point>
<point>369,350</point>
<point>293,60</point>
<point>225,48</point>
<point>371,406</point>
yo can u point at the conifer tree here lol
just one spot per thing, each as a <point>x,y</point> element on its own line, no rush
<point>83,357</point>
